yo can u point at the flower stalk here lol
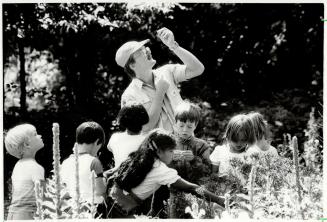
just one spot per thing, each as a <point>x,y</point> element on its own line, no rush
<point>39,199</point>
<point>172,204</point>
<point>297,172</point>
<point>251,191</point>
<point>56,164</point>
<point>77,190</point>
<point>93,208</point>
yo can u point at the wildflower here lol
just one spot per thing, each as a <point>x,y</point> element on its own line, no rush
<point>56,163</point>
<point>195,212</point>
<point>77,191</point>
<point>39,198</point>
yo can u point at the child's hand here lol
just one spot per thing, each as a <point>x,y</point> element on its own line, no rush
<point>177,154</point>
<point>188,155</point>
<point>183,155</point>
<point>109,172</point>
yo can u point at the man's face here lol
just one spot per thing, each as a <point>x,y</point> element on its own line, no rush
<point>143,58</point>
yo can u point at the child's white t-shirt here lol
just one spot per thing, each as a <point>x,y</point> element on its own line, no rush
<point>255,149</point>
<point>86,163</point>
<point>122,144</point>
<point>160,174</point>
<point>221,157</point>
<point>25,173</point>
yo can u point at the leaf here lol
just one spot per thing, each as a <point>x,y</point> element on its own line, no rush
<point>243,196</point>
<point>245,207</point>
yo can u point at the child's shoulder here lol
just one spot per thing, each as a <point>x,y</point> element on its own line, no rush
<point>273,150</point>
<point>221,147</point>
<point>200,141</point>
<point>28,167</point>
<point>220,150</point>
<point>253,148</point>
<point>118,136</point>
<point>30,163</point>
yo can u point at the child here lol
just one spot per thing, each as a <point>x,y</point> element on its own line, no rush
<point>238,136</point>
<point>23,142</point>
<point>145,171</point>
<point>89,139</point>
<point>195,163</point>
<point>132,117</point>
<point>262,134</point>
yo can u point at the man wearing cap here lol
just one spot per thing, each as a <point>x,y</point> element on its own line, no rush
<point>156,89</point>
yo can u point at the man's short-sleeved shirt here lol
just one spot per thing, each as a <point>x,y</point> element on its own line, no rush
<point>140,92</point>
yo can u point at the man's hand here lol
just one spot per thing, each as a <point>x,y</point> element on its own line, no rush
<point>166,36</point>
<point>162,86</point>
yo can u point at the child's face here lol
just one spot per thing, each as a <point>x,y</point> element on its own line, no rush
<point>238,147</point>
<point>185,129</point>
<point>35,140</point>
<point>166,156</point>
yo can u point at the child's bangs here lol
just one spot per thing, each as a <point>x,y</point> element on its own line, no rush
<point>244,135</point>
<point>187,116</point>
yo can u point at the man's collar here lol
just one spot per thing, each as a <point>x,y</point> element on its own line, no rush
<point>139,83</point>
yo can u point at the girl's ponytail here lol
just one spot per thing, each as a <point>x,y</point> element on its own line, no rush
<point>139,163</point>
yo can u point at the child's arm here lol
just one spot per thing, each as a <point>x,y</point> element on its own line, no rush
<point>215,159</point>
<point>195,189</point>
<point>100,187</point>
<point>206,155</point>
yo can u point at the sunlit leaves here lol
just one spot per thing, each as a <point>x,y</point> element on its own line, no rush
<point>43,77</point>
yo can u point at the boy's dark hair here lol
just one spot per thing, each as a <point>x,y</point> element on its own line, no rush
<point>133,117</point>
<point>139,163</point>
<point>187,111</point>
<point>127,67</point>
<point>89,132</point>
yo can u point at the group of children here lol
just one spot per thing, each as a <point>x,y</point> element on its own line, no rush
<point>143,161</point>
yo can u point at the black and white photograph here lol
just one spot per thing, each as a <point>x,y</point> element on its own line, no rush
<point>163,110</point>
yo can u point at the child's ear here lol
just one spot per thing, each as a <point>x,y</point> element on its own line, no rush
<point>27,143</point>
<point>96,143</point>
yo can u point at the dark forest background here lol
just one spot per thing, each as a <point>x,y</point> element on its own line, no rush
<point>59,65</point>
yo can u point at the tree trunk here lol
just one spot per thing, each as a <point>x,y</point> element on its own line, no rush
<point>22,78</point>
